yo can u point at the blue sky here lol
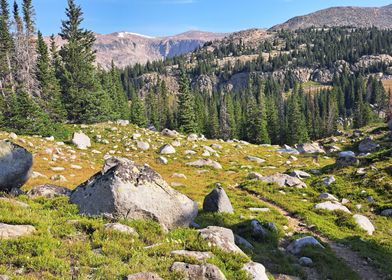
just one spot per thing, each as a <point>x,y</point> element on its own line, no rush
<point>167,17</point>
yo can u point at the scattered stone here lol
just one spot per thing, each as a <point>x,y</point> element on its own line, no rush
<point>328,181</point>
<point>305,261</point>
<point>243,242</point>
<point>14,202</point>
<point>390,125</point>
<point>200,256</point>
<point>300,174</point>
<point>192,137</point>
<point>170,133</point>
<point>15,166</point>
<point>364,223</point>
<point>255,176</point>
<point>206,154</point>
<point>57,169</point>
<point>124,189</point>
<point>77,167</point>
<point>190,152</point>
<point>48,191</point>
<point>258,231</point>
<point>220,237</point>
<point>327,196</point>
<point>346,158</point>
<point>386,212</point>
<point>59,178</point>
<point>283,180</point>
<point>121,228</point>
<point>296,246</point>
<point>122,122</point>
<point>13,231</point>
<point>310,148</point>
<point>199,272</point>
<point>255,159</point>
<point>81,140</point>
<point>4,277</point>
<point>13,136</point>
<point>217,201</point>
<point>293,158</point>
<point>205,162</point>
<point>264,210</point>
<point>255,271</point>
<point>361,171</point>
<point>144,146</point>
<point>144,276</point>
<point>162,160</point>
<point>368,145</point>
<point>332,206</point>
<point>288,150</point>
<point>179,175</point>
<point>216,146</point>
<point>167,150</point>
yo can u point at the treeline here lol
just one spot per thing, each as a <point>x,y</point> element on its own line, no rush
<point>42,87</point>
<point>264,112</point>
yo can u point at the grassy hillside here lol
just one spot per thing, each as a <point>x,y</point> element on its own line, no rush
<point>67,245</point>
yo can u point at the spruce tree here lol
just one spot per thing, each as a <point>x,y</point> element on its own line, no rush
<point>186,114</point>
<point>296,132</point>
<point>138,113</point>
<point>6,46</point>
<point>50,94</point>
<point>84,98</point>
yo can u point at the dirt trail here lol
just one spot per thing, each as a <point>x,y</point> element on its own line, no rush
<point>353,260</point>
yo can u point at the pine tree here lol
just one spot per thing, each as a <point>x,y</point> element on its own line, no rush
<point>6,46</point>
<point>296,132</point>
<point>138,113</point>
<point>224,119</point>
<point>80,87</point>
<point>50,95</point>
<point>186,114</point>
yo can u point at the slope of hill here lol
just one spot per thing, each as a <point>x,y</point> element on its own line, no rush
<point>342,16</point>
<point>67,245</point>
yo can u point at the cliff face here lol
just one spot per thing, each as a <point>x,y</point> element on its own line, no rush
<point>342,16</point>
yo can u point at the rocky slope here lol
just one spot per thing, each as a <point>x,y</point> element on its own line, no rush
<point>248,194</point>
<point>342,16</point>
<point>126,48</point>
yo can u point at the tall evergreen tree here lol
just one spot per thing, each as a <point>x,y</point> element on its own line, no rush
<point>6,46</point>
<point>138,113</point>
<point>186,111</point>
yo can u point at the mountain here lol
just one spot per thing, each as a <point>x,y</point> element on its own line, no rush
<point>380,17</point>
<point>127,48</point>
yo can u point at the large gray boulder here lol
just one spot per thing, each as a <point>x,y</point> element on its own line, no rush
<point>346,158</point>
<point>167,150</point>
<point>296,246</point>
<point>255,159</point>
<point>217,201</point>
<point>368,145</point>
<point>310,148</point>
<point>220,237</point>
<point>205,162</point>
<point>81,140</point>
<point>332,206</point>
<point>127,190</point>
<point>364,223</point>
<point>170,133</point>
<point>386,213</point>
<point>14,231</point>
<point>198,272</point>
<point>282,180</point>
<point>15,166</point>
<point>48,191</point>
<point>255,271</point>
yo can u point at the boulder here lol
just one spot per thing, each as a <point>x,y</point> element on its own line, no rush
<point>368,145</point>
<point>14,202</point>
<point>327,196</point>
<point>288,150</point>
<point>390,125</point>
<point>143,276</point>
<point>283,180</point>
<point>346,158</point>
<point>13,231</point>
<point>4,277</point>
<point>217,201</point>
<point>220,237</point>
<point>192,137</point>
<point>205,162</point>
<point>386,212</point>
<point>216,146</point>
<point>200,256</point>
<point>300,174</point>
<point>258,231</point>
<point>255,271</point>
<point>328,181</point>
<point>162,160</point>
<point>15,166</point>
<point>239,240</point>
<point>305,261</point>
<point>170,133</point>
<point>167,150</point>
<point>48,191</point>
<point>81,140</point>
<point>364,223</point>
<point>127,190</point>
<point>121,228</point>
<point>296,246</point>
<point>199,272</point>
<point>255,159</point>
<point>255,176</point>
<point>310,148</point>
<point>144,146</point>
<point>332,206</point>
<point>122,122</point>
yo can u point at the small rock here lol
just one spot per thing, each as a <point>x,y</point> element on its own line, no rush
<point>81,140</point>
<point>200,256</point>
<point>205,162</point>
<point>296,246</point>
<point>162,160</point>
<point>256,271</point>
<point>255,159</point>
<point>364,223</point>
<point>144,146</point>
<point>217,201</point>
<point>220,237</point>
<point>305,261</point>
<point>327,196</point>
<point>144,276</point>
<point>121,228</point>
<point>332,206</point>
<point>13,231</point>
<point>167,150</point>
<point>258,231</point>
<point>199,272</point>
<point>48,191</point>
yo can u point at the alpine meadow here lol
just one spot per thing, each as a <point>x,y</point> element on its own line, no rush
<point>207,155</point>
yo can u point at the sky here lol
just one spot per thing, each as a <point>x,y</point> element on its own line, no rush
<point>169,17</point>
